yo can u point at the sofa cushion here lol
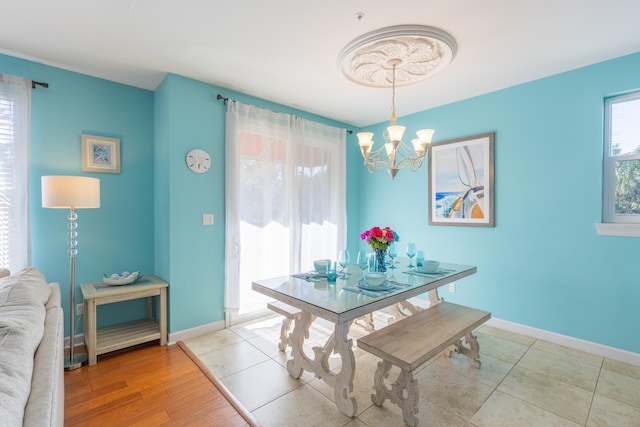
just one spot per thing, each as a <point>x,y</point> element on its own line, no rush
<point>22,314</point>
<point>33,279</point>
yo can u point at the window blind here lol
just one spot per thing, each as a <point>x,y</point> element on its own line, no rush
<point>15,110</point>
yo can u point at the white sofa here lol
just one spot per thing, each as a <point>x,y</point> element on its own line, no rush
<point>31,351</point>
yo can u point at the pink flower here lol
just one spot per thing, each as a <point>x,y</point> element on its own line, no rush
<point>376,233</point>
<point>379,238</point>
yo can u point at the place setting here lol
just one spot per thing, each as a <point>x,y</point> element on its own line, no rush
<point>324,269</point>
<point>375,284</point>
<point>428,268</point>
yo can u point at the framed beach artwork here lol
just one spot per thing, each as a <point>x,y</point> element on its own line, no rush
<point>100,154</point>
<point>461,188</point>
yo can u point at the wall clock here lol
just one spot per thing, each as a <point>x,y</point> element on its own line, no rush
<point>198,160</point>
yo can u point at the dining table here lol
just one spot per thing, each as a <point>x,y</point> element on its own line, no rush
<point>343,301</point>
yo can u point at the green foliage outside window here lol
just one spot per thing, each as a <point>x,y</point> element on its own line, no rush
<point>628,186</point>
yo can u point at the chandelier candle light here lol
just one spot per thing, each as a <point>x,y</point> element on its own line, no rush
<point>415,52</point>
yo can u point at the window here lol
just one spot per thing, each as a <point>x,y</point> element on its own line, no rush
<point>285,200</point>
<point>621,193</point>
<point>15,104</point>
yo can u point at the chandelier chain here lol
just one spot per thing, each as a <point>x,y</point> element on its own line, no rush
<point>393,96</point>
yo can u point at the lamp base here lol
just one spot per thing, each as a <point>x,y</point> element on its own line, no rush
<point>78,360</point>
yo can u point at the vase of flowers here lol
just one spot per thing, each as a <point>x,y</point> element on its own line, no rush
<point>380,239</point>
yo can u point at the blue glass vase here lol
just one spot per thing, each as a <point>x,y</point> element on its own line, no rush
<point>379,261</point>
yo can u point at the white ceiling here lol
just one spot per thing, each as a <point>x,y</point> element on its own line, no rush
<point>285,51</point>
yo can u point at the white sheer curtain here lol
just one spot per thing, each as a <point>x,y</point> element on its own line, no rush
<point>285,199</point>
<point>15,111</point>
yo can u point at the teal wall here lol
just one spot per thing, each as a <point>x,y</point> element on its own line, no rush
<point>191,255</point>
<point>119,235</point>
<point>543,264</point>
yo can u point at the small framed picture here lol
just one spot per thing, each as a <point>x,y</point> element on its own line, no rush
<point>100,154</point>
<point>461,190</point>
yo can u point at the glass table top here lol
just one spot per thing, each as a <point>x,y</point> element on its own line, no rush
<point>343,299</point>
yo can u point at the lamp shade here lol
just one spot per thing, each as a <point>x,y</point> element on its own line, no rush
<point>365,138</point>
<point>70,192</point>
<point>396,132</point>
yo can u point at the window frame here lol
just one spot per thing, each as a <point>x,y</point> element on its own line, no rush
<point>609,167</point>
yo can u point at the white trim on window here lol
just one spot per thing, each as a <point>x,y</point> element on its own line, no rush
<point>624,230</point>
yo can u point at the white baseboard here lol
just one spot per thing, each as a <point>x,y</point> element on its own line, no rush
<point>77,340</point>
<point>194,332</point>
<point>567,341</point>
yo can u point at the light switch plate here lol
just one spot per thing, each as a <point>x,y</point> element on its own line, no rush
<point>207,219</point>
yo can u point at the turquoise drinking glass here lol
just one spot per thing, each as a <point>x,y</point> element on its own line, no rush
<point>411,252</point>
<point>363,261</point>
<point>393,253</point>
<point>343,260</point>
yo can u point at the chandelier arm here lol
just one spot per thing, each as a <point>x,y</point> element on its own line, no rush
<point>409,158</point>
<point>377,159</point>
<point>411,163</point>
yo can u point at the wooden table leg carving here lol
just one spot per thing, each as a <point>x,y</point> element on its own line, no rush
<point>405,308</point>
<point>338,343</point>
<point>368,325</point>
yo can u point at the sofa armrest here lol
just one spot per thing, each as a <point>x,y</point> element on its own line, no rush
<point>45,406</point>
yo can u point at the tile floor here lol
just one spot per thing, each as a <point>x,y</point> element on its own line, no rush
<point>522,382</point>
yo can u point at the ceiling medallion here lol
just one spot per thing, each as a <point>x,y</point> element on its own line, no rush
<point>417,51</point>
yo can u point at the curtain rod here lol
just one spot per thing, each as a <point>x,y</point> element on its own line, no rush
<point>43,84</point>
<point>223,99</point>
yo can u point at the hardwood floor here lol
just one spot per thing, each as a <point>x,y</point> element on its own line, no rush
<point>149,385</point>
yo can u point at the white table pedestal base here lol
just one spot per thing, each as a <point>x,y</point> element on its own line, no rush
<point>338,343</point>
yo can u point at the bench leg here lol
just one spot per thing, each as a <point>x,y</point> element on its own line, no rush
<point>472,353</point>
<point>409,404</point>
<point>285,338</point>
<point>408,401</point>
<point>382,392</point>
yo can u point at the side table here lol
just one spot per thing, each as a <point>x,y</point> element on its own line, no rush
<point>104,340</point>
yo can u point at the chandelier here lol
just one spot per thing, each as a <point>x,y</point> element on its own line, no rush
<point>399,55</point>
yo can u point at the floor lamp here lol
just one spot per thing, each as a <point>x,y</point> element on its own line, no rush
<point>71,192</point>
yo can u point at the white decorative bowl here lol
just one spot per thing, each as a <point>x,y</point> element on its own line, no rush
<point>121,279</point>
<point>374,279</point>
<point>430,266</point>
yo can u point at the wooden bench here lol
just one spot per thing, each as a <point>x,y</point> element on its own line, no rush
<point>412,341</point>
<point>290,313</point>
